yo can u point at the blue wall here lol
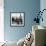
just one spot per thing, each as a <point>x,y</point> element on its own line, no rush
<point>30,7</point>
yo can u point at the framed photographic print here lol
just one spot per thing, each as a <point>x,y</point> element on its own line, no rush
<point>17,18</point>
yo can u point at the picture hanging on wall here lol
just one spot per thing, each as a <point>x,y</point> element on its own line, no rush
<point>17,19</point>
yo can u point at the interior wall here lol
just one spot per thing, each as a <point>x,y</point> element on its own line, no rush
<point>29,7</point>
<point>43,6</point>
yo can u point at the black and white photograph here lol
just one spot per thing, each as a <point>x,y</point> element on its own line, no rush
<point>17,18</point>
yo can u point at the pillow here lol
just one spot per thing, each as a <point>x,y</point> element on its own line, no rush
<point>21,42</point>
<point>28,40</point>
